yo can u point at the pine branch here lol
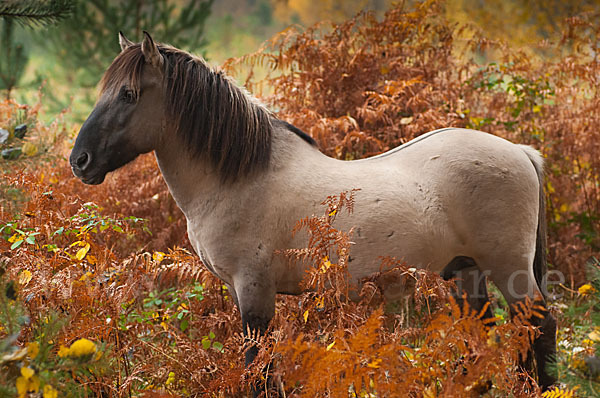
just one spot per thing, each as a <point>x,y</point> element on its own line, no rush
<point>32,13</point>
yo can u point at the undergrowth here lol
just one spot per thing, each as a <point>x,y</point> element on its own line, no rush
<point>101,296</point>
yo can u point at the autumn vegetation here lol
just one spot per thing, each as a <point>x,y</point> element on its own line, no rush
<point>100,294</point>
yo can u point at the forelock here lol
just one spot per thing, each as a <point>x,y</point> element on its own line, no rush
<point>126,69</point>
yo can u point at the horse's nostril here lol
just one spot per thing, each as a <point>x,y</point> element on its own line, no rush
<point>83,160</point>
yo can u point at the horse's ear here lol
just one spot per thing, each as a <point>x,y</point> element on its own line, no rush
<point>150,51</point>
<point>124,42</point>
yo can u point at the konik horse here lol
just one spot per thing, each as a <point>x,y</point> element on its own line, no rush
<point>459,202</point>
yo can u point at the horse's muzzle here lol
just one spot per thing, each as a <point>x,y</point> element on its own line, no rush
<point>80,166</point>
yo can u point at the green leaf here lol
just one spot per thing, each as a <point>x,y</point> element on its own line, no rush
<point>51,248</point>
<point>16,244</point>
<point>217,346</point>
<point>205,342</point>
<point>184,325</point>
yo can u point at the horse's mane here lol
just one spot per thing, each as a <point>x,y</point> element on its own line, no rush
<point>212,115</point>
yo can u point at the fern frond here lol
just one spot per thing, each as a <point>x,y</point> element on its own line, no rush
<point>559,393</point>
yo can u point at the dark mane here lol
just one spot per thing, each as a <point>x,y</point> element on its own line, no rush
<point>212,115</point>
<point>297,131</point>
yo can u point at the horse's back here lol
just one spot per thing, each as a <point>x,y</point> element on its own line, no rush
<point>456,192</point>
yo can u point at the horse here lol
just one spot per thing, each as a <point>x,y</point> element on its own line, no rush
<point>463,203</point>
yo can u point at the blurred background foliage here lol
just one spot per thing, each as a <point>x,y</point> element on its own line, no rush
<point>66,56</point>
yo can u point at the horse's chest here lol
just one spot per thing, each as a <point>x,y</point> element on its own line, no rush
<point>207,258</point>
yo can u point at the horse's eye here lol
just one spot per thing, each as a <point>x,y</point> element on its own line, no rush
<point>128,96</point>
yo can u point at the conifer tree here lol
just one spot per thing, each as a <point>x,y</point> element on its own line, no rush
<point>91,32</point>
<point>29,13</point>
<point>35,12</point>
<point>13,57</point>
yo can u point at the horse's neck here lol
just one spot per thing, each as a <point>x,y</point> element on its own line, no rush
<point>190,179</point>
<point>197,187</point>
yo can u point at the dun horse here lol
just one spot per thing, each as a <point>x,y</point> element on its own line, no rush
<point>459,202</point>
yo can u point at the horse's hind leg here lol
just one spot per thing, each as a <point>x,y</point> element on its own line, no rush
<point>518,284</point>
<point>470,281</point>
<point>544,347</point>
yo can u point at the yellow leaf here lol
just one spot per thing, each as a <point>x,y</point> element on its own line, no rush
<point>537,109</point>
<point>63,351</point>
<point>158,256</point>
<point>82,252</point>
<point>22,386</point>
<point>82,347</point>
<point>164,326</point>
<point>564,208</point>
<point>305,316</point>
<point>27,372</point>
<point>24,277</point>
<point>330,346</point>
<point>33,349</point>
<point>13,238</point>
<point>325,264</point>
<point>586,289</point>
<point>594,336</point>
<point>34,384</point>
<point>374,363</point>
<point>50,392</point>
<point>170,379</point>
<point>29,149</point>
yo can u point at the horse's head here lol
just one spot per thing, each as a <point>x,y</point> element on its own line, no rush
<point>129,115</point>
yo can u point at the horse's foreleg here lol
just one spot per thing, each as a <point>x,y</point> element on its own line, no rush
<point>256,301</point>
<point>254,325</point>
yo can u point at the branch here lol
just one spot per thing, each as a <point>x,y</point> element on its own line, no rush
<point>34,13</point>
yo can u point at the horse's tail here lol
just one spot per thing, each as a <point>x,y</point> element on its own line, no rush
<point>540,267</point>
